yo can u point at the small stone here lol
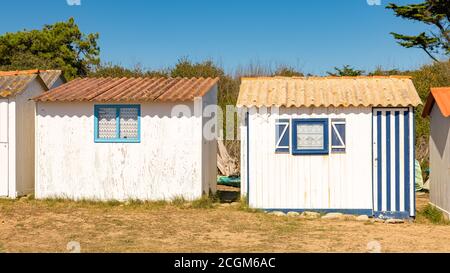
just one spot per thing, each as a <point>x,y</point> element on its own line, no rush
<point>379,220</point>
<point>362,218</point>
<point>225,205</point>
<point>310,215</point>
<point>234,204</point>
<point>278,213</point>
<point>293,214</point>
<point>395,221</point>
<point>332,216</point>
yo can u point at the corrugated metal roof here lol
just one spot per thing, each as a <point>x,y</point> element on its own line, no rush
<point>392,91</point>
<point>130,89</point>
<point>441,96</point>
<point>12,82</point>
<point>50,77</point>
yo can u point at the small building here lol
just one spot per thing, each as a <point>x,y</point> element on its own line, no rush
<point>329,144</point>
<point>17,116</point>
<point>438,109</point>
<point>126,139</point>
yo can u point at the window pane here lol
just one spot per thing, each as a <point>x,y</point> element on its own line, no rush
<point>310,136</point>
<point>338,132</point>
<point>107,123</point>
<point>128,123</point>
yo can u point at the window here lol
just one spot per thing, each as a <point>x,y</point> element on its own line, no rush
<point>309,136</point>
<point>282,136</point>
<point>117,123</point>
<point>338,135</point>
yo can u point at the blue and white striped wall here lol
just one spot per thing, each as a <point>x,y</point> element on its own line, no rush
<point>393,166</point>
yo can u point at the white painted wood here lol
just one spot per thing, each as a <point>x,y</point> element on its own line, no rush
<point>166,164</point>
<point>383,161</point>
<point>440,160</point>
<point>335,181</point>
<point>4,156</point>
<point>402,163</point>
<point>4,169</point>
<point>376,160</point>
<point>393,162</point>
<point>3,120</point>
<point>12,148</point>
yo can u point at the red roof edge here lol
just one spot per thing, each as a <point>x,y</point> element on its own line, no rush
<point>441,97</point>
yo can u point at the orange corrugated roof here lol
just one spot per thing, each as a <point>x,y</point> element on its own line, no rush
<point>441,96</point>
<point>130,89</point>
<point>380,91</point>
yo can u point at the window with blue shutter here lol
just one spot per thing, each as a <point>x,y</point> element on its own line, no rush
<point>338,136</point>
<point>117,123</point>
<point>282,136</point>
<point>310,136</point>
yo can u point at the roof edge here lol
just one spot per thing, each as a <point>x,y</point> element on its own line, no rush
<point>326,77</point>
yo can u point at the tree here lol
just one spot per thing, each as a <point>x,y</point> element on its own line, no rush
<point>58,46</point>
<point>431,12</point>
<point>115,71</point>
<point>346,70</point>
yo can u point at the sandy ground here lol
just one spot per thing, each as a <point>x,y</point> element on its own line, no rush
<point>48,226</point>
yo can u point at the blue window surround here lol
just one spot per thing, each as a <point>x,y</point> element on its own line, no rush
<point>117,139</point>
<point>337,135</point>
<point>324,122</point>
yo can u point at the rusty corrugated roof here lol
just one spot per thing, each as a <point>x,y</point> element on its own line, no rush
<point>441,96</point>
<point>130,89</point>
<point>12,82</point>
<point>364,91</point>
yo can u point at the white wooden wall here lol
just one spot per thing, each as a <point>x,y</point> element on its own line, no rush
<point>440,161</point>
<point>285,181</point>
<point>4,147</point>
<point>167,163</point>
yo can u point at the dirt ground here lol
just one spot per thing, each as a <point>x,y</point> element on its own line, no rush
<point>48,226</point>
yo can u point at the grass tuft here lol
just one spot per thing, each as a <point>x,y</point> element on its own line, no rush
<point>434,215</point>
<point>205,202</point>
<point>178,201</point>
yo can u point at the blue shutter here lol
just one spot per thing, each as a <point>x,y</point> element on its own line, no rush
<point>282,136</point>
<point>338,142</point>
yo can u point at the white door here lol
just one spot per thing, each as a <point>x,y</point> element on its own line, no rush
<point>4,147</point>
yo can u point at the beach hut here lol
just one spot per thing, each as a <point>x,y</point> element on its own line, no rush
<point>438,109</point>
<point>17,116</point>
<point>126,139</point>
<point>329,144</point>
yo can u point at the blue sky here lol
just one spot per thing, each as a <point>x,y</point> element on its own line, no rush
<point>313,36</point>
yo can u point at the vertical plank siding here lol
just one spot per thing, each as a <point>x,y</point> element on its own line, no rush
<point>328,182</point>
<point>373,176</point>
<point>440,161</point>
<point>393,162</point>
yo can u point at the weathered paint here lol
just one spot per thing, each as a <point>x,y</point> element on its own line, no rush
<point>325,182</point>
<point>393,173</point>
<point>345,182</point>
<point>4,147</point>
<point>440,161</point>
<point>170,161</point>
<point>17,134</point>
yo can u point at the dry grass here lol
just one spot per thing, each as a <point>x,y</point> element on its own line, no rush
<point>47,226</point>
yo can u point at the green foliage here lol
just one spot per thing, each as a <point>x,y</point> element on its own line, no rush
<point>117,71</point>
<point>431,12</point>
<point>346,70</point>
<point>58,46</point>
<point>433,214</point>
<point>287,71</point>
<point>205,202</point>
